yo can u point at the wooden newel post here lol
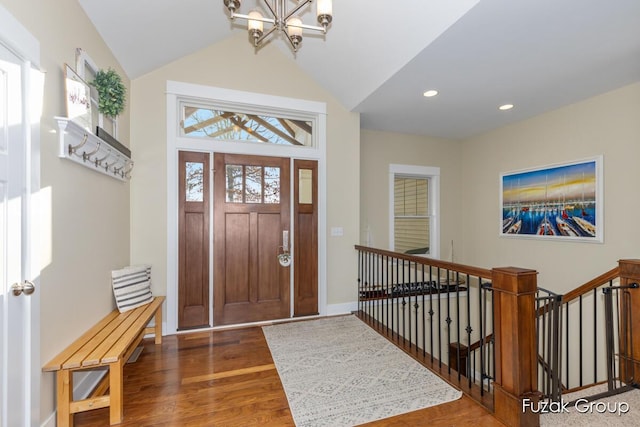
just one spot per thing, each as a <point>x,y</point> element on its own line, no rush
<point>516,383</point>
<point>629,322</point>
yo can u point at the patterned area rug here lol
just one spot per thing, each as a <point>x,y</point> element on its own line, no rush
<point>339,372</point>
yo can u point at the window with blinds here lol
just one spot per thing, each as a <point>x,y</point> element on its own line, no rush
<point>411,215</point>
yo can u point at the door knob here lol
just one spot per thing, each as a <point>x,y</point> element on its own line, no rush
<point>25,287</point>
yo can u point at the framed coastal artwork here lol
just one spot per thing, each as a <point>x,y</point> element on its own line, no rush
<point>560,201</point>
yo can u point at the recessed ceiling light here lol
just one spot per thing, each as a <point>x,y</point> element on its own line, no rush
<point>430,93</point>
<point>505,107</point>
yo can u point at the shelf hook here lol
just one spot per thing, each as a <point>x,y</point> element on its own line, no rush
<point>98,162</point>
<point>87,156</point>
<point>74,148</point>
<point>126,174</point>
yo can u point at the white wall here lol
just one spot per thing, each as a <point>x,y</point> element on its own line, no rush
<point>607,125</point>
<point>378,151</point>
<point>233,64</point>
<point>86,214</point>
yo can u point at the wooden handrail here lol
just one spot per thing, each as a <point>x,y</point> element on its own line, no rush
<point>612,274</point>
<point>460,268</point>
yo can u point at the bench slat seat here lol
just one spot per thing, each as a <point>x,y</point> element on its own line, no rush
<point>108,343</point>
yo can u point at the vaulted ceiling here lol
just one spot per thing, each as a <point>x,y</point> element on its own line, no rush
<point>380,56</point>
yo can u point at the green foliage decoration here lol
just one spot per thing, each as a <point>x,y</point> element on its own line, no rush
<point>112,93</point>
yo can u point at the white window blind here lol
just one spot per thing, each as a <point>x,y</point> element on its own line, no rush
<point>411,214</point>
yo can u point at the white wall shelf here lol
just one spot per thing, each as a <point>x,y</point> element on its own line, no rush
<point>81,146</point>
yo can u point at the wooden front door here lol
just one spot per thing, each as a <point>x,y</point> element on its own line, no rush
<point>251,212</point>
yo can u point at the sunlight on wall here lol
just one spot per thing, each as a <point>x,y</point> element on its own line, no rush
<point>43,224</point>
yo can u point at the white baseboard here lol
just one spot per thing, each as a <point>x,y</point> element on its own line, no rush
<point>51,421</point>
<point>85,382</point>
<point>345,308</point>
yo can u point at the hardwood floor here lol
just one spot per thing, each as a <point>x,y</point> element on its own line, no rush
<point>227,378</point>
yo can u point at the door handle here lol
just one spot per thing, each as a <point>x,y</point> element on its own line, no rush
<point>25,287</point>
<point>285,257</point>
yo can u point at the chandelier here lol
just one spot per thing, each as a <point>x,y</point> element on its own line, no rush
<point>281,19</point>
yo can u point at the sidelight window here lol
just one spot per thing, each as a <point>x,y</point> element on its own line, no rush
<point>194,181</point>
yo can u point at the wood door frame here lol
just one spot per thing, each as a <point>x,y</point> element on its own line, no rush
<point>177,91</point>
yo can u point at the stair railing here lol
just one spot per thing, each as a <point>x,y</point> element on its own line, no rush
<point>434,310</point>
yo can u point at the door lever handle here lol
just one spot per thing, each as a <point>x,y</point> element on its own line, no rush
<point>285,240</point>
<point>285,257</point>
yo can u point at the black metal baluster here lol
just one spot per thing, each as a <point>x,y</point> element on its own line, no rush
<point>431,312</point>
<point>469,330</point>
<point>608,313</point>
<point>424,316</point>
<point>448,320</point>
<point>595,336</point>
<point>616,307</point>
<point>370,283</point>
<point>416,306</point>
<point>359,282</point>
<point>580,339</point>
<point>389,297</point>
<point>568,357</point>
<point>439,320</point>
<point>410,305</point>
<point>481,315</point>
<point>404,305</point>
<point>397,308</point>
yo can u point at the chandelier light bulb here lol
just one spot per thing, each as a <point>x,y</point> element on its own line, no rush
<point>294,31</point>
<point>232,5</point>
<point>325,7</point>
<point>256,23</point>
<point>325,13</point>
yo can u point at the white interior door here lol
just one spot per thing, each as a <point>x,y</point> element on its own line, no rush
<point>17,347</point>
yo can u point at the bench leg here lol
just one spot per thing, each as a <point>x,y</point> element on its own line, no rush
<point>65,397</point>
<point>116,392</point>
<point>158,325</point>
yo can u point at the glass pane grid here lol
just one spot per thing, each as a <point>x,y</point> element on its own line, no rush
<point>252,184</point>
<point>217,124</point>
<point>194,181</point>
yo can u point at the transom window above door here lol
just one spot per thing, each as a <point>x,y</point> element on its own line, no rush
<point>252,184</point>
<point>213,123</point>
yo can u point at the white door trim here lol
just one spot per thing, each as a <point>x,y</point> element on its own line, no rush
<point>179,90</point>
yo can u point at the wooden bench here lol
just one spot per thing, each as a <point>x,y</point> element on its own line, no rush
<point>109,343</point>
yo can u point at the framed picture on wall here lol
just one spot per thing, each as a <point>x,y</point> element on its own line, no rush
<point>78,99</point>
<point>560,201</point>
<point>87,69</point>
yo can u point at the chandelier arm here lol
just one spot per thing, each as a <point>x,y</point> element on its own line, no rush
<point>293,45</point>
<point>252,18</point>
<point>265,35</point>
<point>309,27</point>
<point>296,9</point>
<point>273,12</point>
